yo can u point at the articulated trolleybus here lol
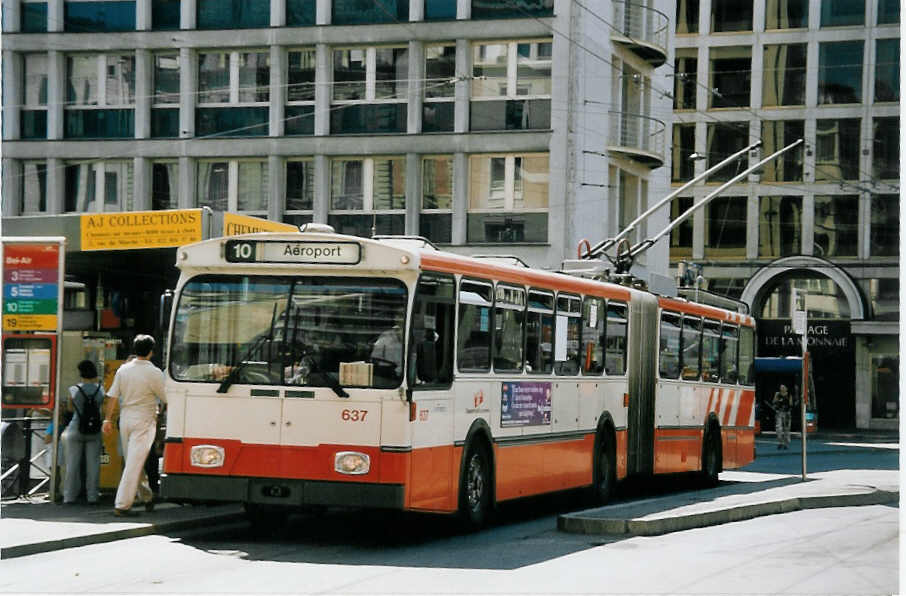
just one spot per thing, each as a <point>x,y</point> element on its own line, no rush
<point>317,369</point>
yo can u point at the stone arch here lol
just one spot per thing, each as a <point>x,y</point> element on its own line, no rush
<point>754,292</point>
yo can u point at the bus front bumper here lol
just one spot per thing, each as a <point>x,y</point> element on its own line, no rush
<point>280,491</point>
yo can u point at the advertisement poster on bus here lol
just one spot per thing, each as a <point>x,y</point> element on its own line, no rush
<point>525,404</point>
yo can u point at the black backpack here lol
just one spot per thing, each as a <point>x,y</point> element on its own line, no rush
<point>90,419</point>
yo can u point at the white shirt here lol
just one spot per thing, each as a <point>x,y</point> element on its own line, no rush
<point>138,385</point>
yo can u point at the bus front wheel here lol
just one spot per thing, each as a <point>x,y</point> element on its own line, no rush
<point>475,487</point>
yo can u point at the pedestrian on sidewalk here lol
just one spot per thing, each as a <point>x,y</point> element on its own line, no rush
<point>782,404</point>
<point>137,387</point>
<point>86,399</point>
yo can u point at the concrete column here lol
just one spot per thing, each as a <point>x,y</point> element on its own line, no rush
<point>863,248</point>
<point>752,226</point>
<point>463,11</point>
<point>416,10</point>
<point>324,76</point>
<point>144,73</point>
<point>276,203</point>
<point>463,85</point>
<point>460,197</point>
<point>56,186</point>
<point>277,88</point>
<point>13,94</point>
<point>143,15</point>
<point>811,74</point>
<point>278,13</point>
<point>56,94</point>
<point>188,15</point>
<point>704,17</point>
<point>12,187</point>
<point>188,87</point>
<point>187,174</point>
<point>413,192</point>
<point>416,86</point>
<point>323,15</point>
<point>808,224</point>
<point>12,16</point>
<point>757,79</point>
<point>321,203</point>
<point>142,182</point>
<point>702,93</point>
<point>814,16</point>
<point>54,16</point>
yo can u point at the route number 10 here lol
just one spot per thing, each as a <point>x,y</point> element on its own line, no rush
<point>240,251</point>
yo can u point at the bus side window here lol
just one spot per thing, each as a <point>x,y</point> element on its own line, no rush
<point>509,328</point>
<point>746,356</point>
<point>475,325</point>
<point>539,333</point>
<point>431,344</point>
<point>615,354</point>
<point>691,347</point>
<point>593,338</point>
<point>711,351</point>
<point>669,346</point>
<point>569,312</point>
<point>729,341</point>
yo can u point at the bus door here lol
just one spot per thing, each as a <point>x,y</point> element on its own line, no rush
<point>642,372</point>
<point>430,381</point>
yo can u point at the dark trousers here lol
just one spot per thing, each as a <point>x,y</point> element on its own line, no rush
<point>151,469</point>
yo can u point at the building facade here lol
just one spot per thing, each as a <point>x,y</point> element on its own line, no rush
<point>517,127</point>
<point>824,218</point>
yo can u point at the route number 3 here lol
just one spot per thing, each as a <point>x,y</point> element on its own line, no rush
<point>353,415</point>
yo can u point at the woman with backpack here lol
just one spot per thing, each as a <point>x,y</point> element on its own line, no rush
<point>82,437</point>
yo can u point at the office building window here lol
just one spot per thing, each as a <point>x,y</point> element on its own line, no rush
<point>356,12</point>
<point>725,228</point>
<point>836,225</point>
<point>300,94</point>
<point>731,287</point>
<point>436,217</point>
<point>841,13</point>
<point>524,9</point>
<point>165,98</point>
<point>681,236</point>
<point>885,226</point>
<point>98,186</point>
<point>369,90</point>
<point>725,139</point>
<point>33,17</point>
<point>837,150</point>
<point>34,107</point>
<point>233,14</point>
<point>887,70</point>
<point>508,198</point>
<point>100,95</point>
<point>440,73</point>
<point>885,161</point>
<point>731,15</point>
<point>840,72</point>
<point>779,226</point>
<point>730,76</point>
<point>687,16</point>
<point>34,188</point>
<point>685,78</point>
<point>436,10</point>
<point>234,185</point>
<point>368,196</point>
<point>776,135</point>
<point>888,12</point>
<point>233,93</point>
<point>884,295</point>
<point>165,15</point>
<point>300,193</point>
<point>784,68</point>
<point>300,13</point>
<point>164,184</point>
<point>683,168</point>
<point>98,16</point>
<point>511,88</point>
<point>786,14</point>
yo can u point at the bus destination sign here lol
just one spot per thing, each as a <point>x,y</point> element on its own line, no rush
<point>276,251</point>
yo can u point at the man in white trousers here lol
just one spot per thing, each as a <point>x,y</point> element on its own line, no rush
<point>137,386</point>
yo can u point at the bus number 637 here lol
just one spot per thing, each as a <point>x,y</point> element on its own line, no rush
<point>354,415</point>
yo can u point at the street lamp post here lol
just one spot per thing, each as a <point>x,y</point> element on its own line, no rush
<point>800,327</point>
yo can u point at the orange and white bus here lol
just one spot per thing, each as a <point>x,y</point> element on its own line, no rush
<point>316,369</point>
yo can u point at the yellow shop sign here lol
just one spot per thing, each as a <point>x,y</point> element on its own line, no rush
<point>140,229</point>
<point>234,225</point>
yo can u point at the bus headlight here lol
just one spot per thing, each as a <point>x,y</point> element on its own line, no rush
<point>351,462</point>
<point>206,456</point>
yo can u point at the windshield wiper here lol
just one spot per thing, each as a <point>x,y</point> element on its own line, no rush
<point>235,367</point>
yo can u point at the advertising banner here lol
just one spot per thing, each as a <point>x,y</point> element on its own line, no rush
<point>140,229</point>
<point>525,404</point>
<point>234,225</point>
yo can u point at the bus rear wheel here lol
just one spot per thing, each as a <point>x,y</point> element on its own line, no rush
<point>711,458</point>
<point>475,487</point>
<point>605,472</point>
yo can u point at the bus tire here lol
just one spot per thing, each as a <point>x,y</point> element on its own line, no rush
<point>711,457</point>
<point>475,487</point>
<point>605,470</point>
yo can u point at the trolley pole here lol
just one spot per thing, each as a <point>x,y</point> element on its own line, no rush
<point>800,326</point>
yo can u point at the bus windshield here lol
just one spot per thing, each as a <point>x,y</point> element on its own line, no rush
<point>285,330</point>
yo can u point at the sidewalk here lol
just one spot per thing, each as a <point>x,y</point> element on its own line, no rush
<point>38,525</point>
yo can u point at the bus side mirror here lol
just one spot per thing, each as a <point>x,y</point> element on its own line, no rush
<point>426,361</point>
<point>166,306</point>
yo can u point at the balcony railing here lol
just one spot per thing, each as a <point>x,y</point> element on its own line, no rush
<point>639,137</point>
<point>643,29</point>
